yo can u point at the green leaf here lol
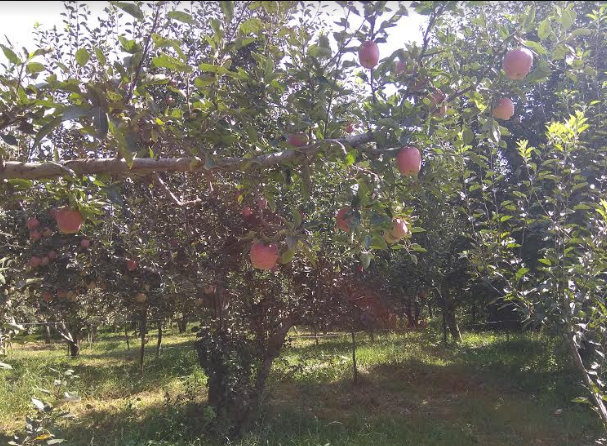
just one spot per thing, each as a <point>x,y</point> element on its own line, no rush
<point>467,136</point>
<point>568,18</point>
<point>529,18</point>
<point>417,248</point>
<point>100,56</point>
<point>75,112</point>
<point>251,26</point>
<point>521,272</point>
<point>227,8</point>
<point>183,17</point>
<point>35,67</point>
<point>10,54</point>
<point>287,256</point>
<point>130,8</point>
<point>129,45</point>
<point>544,30</point>
<point>82,57</point>
<point>365,258</point>
<point>166,61</point>
<point>100,121</point>
<point>9,139</point>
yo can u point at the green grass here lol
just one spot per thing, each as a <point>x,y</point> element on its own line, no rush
<point>412,390</point>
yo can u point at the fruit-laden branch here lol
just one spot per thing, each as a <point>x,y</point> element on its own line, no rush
<point>113,166</point>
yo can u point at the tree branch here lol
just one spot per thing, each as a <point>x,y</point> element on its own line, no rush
<point>113,166</point>
<point>171,195</point>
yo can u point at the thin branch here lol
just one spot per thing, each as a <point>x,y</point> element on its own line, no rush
<point>171,195</point>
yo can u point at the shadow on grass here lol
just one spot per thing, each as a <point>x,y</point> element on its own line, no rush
<point>497,393</point>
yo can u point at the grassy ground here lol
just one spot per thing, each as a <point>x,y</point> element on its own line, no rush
<point>412,391</point>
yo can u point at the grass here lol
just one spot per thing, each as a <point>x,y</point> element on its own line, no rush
<point>412,390</point>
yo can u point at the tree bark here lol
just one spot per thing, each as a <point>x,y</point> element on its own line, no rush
<point>144,320</point>
<point>183,324</point>
<point>74,348</point>
<point>449,314</point>
<point>579,364</point>
<point>114,166</point>
<point>236,397</point>
<point>47,333</point>
<point>126,336</point>
<point>354,366</point>
<point>159,343</point>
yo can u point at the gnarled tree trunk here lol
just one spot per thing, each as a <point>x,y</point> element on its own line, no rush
<point>449,315</point>
<point>237,369</point>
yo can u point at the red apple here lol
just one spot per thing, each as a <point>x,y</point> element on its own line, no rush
<point>368,54</point>
<point>420,83</point>
<point>131,265</point>
<point>399,229</point>
<point>140,298</point>
<point>62,294</point>
<point>400,67</point>
<point>263,256</point>
<point>69,220</point>
<point>47,232</point>
<point>47,297</point>
<point>517,63</point>
<point>437,99</point>
<point>246,211</point>
<point>45,261</point>
<point>85,243</point>
<point>170,101</point>
<point>343,218</point>
<point>504,109</point>
<point>35,262</point>
<point>35,235</point>
<point>32,223</point>
<point>297,139</point>
<point>349,128</point>
<point>52,255</point>
<point>409,160</point>
<point>263,203</point>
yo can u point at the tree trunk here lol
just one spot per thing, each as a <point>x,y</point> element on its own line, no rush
<point>354,366</point>
<point>233,396</point>
<point>453,327</point>
<point>449,314</point>
<point>144,321</point>
<point>159,343</point>
<point>74,348</point>
<point>183,324</point>
<point>126,335</point>
<point>430,310</point>
<point>47,333</point>
<point>599,405</point>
